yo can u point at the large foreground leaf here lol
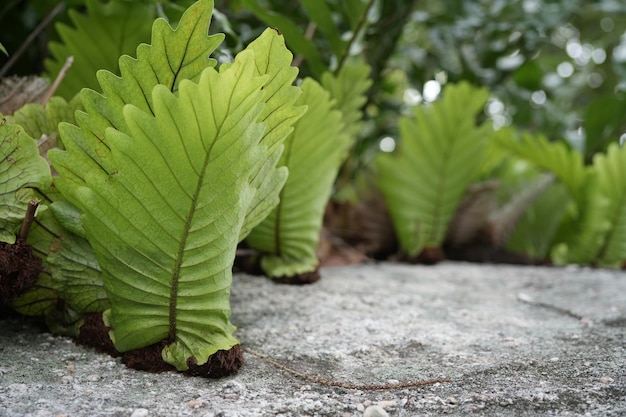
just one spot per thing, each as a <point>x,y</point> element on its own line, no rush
<point>165,224</point>
<point>288,237</point>
<point>437,158</point>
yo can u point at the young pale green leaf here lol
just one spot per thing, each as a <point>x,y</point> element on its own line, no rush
<point>38,120</point>
<point>349,90</point>
<point>21,169</point>
<point>174,55</point>
<point>566,163</point>
<point>166,223</point>
<point>97,40</point>
<point>437,158</point>
<point>313,152</point>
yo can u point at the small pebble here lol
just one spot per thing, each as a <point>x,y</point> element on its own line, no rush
<point>140,412</point>
<point>375,411</point>
<point>360,408</point>
<point>606,379</point>
<point>197,403</point>
<point>387,404</point>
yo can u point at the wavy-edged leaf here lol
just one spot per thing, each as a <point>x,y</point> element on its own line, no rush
<point>21,168</point>
<point>41,122</point>
<point>279,114</point>
<point>166,223</point>
<point>97,40</point>
<point>289,236</point>
<point>174,55</point>
<point>566,163</point>
<point>38,120</point>
<point>437,158</point>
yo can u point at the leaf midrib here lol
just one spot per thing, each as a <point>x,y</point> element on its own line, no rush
<point>192,210</point>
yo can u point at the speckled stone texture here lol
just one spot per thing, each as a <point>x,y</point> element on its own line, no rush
<point>513,341</point>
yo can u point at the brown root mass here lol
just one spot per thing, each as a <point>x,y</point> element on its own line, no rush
<point>299,279</point>
<point>93,333</point>
<point>221,363</point>
<point>148,358</point>
<point>19,269</point>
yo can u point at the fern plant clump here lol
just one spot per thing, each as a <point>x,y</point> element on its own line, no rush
<point>162,174</point>
<point>438,156</point>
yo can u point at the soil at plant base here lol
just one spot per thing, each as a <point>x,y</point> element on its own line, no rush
<point>513,341</point>
<point>19,270</point>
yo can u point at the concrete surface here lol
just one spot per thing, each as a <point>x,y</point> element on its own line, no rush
<point>514,341</point>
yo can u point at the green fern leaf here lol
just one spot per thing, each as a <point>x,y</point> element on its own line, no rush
<point>76,275</point>
<point>280,113</point>
<point>38,120</point>
<point>21,169</point>
<point>288,237</point>
<point>70,273</point>
<point>97,40</point>
<point>601,239</point>
<point>438,156</point>
<point>586,227</point>
<point>566,163</point>
<point>165,224</point>
<point>537,229</point>
<point>611,169</point>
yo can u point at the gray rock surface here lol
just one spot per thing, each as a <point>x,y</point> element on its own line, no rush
<point>512,340</point>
